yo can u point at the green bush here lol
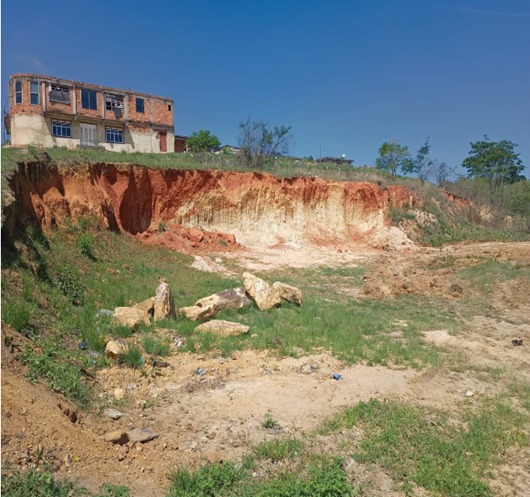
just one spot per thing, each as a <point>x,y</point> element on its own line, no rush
<point>85,244</point>
<point>70,284</point>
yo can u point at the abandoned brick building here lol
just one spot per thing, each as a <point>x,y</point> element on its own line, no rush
<point>47,111</point>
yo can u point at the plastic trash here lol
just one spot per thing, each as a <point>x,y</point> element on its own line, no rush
<point>336,376</point>
<point>200,371</point>
<point>517,342</point>
<point>83,345</point>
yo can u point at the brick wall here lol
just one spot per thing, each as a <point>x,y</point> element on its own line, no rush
<point>26,107</point>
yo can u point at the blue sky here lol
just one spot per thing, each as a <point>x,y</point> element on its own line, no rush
<point>346,75</point>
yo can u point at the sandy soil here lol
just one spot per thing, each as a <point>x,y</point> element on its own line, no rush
<point>218,414</point>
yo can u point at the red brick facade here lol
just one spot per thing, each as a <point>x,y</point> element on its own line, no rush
<point>115,108</point>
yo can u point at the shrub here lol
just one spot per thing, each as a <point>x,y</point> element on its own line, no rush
<point>133,357</point>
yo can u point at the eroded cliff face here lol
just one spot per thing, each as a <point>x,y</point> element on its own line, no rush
<point>251,206</point>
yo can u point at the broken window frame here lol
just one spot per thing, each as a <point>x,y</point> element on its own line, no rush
<point>113,102</point>
<point>59,94</point>
<point>18,92</point>
<point>34,96</point>
<point>62,129</point>
<point>140,105</point>
<point>114,135</point>
<point>89,99</point>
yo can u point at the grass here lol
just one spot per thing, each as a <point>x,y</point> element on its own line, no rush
<point>488,273</point>
<point>427,448</point>
<point>327,479</point>
<point>42,483</point>
<point>276,450</point>
<point>156,346</point>
<point>133,357</point>
<point>59,369</point>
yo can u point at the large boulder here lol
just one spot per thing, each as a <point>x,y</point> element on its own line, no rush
<point>208,307</point>
<point>147,306</point>
<point>164,306</point>
<point>288,293</point>
<point>233,298</point>
<point>130,316</point>
<point>263,294</point>
<point>222,328</point>
<point>196,313</point>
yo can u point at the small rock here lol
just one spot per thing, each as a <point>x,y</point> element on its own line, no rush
<point>119,393</point>
<point>142,434</point>
<point>456,290</point>
<point>117,437</point>
<point>112,413</point>
<point>469,393</point>
<point>517,342</point>
<point>122,454</point>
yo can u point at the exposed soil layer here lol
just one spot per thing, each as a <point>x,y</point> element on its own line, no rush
<point>250,208</point>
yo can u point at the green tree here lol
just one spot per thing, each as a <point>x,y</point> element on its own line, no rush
<point>421,164</point>
<point>392,157</point>
<point>202,141</point>
<point>495,161</point>
<point>258,141</point>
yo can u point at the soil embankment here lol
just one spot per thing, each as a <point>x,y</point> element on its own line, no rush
<point>255,208</point>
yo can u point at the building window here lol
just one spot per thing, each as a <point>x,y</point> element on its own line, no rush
<point>114,135</point>
<point>18,92</point>
<point>60,94</point>
<point>140,106</point>
<point>62,128</point>
<point>89,99</point>
<point>34,92</point>
<point>114,103</point>
<point>169,107</point>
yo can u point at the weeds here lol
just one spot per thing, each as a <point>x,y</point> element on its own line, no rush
<point>277,450</point>
<point>42,483</point>
<point>269,422</point>
<point>156,346</point>
<point>133,357</point>
<point>57,367</point>
<point>429,450</point>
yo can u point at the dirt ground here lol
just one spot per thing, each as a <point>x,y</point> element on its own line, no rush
<point>209,408</point>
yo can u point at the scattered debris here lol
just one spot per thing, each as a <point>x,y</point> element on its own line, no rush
<point>201,371</point>
<point>336,376</point>
<point>83,345</point>
<point>517,342</point>
<point>308,369</point>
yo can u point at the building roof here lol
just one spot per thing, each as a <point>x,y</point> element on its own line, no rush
<point>71,82</point>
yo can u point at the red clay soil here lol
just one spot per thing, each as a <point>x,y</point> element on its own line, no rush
<point>189,209</point>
